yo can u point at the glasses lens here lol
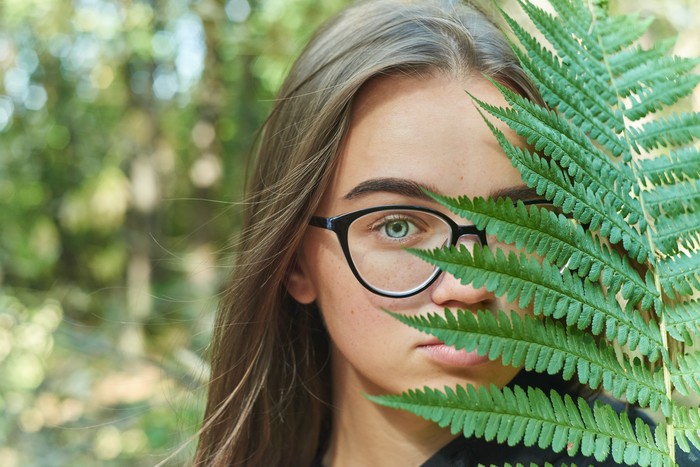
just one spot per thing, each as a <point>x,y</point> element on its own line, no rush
<point>377,243</point>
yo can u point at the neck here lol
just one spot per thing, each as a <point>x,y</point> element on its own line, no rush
<point>364,433</point>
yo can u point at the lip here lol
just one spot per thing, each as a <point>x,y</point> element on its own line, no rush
<point>444,354</point>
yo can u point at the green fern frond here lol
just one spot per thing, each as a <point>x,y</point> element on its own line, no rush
<point>513,416</point>
<point>677,233</point>
<point>553,136</point>
<point>674,130</point>
<point>554,237</point>
<point>568,9</point>
<point>650,100</point>
<point>680,165</point>
<point>651,74</point>
<point>637,56</point>
<point>679,274</point>
<point>683,320</point>
<point>615,33</point>
<point>544,346</point>
<point>672,200</point>
<point>597,118</point>
<point>685,375</point>
<point>686,423</point>
<point>568,46</point>
<point>627,267</point>
<point>552,183</point>
<point>550,291</point>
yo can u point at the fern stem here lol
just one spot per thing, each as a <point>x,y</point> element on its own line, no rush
<point>665,362</point>
<point>670,435</point>
<point>635,166</point>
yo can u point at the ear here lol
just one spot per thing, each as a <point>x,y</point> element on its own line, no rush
<point>299,284</point>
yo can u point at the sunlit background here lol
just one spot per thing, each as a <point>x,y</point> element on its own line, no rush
<point>124,133</point>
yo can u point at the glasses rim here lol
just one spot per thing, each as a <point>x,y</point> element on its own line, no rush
<point>340,225</point>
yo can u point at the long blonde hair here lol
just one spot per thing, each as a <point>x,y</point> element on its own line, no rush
<point>269,393</point>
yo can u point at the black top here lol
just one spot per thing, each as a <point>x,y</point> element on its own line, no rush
<point>471,452</point>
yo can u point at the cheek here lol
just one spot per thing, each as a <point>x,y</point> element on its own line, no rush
<point>340,294</point>
<point>352,314</point>
<point>364,335</point>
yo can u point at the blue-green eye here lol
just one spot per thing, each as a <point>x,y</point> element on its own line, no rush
<point>397,228</point>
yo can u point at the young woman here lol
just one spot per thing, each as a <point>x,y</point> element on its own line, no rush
<point>373,112</point>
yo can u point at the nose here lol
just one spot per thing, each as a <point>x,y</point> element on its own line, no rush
<point>448,291</point>
<point>451,293</point>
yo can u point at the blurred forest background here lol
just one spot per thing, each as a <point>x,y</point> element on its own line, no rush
<point>125,127</point>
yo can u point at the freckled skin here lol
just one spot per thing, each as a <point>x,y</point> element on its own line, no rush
<point>427,131</point>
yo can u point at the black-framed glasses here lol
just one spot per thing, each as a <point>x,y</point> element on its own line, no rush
<point>374,241</point>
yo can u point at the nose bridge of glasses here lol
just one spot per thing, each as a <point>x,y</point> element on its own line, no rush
<point>472,231</point>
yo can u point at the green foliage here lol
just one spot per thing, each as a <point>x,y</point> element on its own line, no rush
<point>610,280</point>
<point>546,345</point>
<point>124,133</point>
<point>532,417</point>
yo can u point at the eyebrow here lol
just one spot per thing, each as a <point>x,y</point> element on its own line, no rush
<point>409,188</point>
<point>399,186</point>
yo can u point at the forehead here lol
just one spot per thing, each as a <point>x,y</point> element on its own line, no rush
<point>425,130</point>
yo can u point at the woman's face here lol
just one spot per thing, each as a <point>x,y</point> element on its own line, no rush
<point>404,132</point>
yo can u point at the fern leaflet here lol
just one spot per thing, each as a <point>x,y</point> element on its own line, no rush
<point>544,346</point>
<point>533,417</point>
<point>550,291</point>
